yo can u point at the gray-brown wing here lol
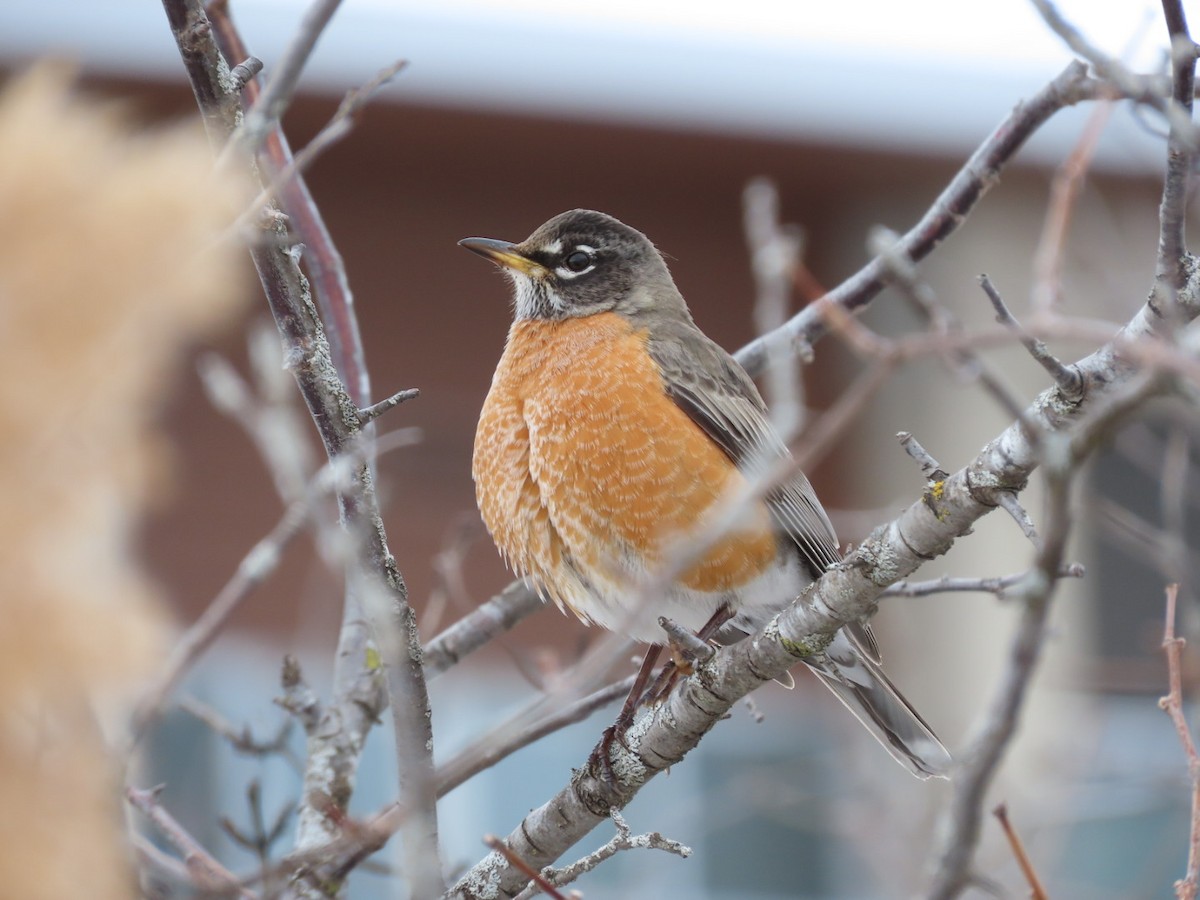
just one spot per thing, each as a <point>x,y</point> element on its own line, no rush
<point>720,397</point>
<point>709,385</point>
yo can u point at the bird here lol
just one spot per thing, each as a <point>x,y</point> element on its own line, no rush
<point>613,427</point>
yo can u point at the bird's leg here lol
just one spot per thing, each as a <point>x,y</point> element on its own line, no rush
<point>616,731</point>
<point>639,696</point>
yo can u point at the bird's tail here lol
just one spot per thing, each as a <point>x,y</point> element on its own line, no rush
<point>867,692</point>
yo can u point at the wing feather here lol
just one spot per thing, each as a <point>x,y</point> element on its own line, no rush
<point>709,385</point>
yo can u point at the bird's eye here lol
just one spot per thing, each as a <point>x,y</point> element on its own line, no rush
<point>577,260</point>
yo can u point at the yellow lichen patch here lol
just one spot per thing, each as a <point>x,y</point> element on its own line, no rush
<point>932,497</point>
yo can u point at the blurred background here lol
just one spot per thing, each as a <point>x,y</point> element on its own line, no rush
<point>659,114</point>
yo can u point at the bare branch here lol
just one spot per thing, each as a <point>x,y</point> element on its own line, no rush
<point>1065,377</point>
<point>850,592</point>
<point>378,409</point>
<point>1064,192</point>
<point>961,823</point>
<point>1010,504</point>
<point>486,752</point>
<point>203,869</point>
<point>687,646</point>
<point>1036,890</point>
<point>472,631</point>
<point>1172,703</point>
<point>622,840</point>
<point>1173,497</point>
<point>268,109</point>
<point>774,252</point>
<point>1181,150</point>
<point>930,467</point>
<point>498,846</point>
<point>244,72</point>
<point>962,361</point>
<point>255,567</point>
<point>942,219</point>
<point>946,584</point>
<point>339,125</point>
<point>242,739</point>
<point>325,265</point>
<point>1117,74</point>
<point>298,698</point>
<point>376,599</point>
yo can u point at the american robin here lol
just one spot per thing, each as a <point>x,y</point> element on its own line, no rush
<point>613,427</point>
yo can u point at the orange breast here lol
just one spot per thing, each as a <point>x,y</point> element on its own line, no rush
<point>584,466</point>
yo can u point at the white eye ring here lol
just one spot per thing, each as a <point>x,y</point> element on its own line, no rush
<point>565,273</point>
<point>588,255</point>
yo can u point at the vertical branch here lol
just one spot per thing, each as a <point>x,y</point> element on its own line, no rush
<point>1170,272</point>
<point>961,824</point>
<point>1062,455</point>
<point>322,258</point>
<point>268,109</point>
<point>1186,888</point>
<point>773,254</point>
<point>372,570</point>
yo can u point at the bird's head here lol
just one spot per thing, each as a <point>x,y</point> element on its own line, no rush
<point>581,263</point>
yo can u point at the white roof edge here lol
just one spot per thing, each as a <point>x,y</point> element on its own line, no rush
<point>499,60</point>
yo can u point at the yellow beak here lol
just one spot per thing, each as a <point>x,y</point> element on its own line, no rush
<point>502,253</point>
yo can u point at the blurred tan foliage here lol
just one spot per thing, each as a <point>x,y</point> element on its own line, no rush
<point>110,264</point>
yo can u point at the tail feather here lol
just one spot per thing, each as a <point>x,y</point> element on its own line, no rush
<point>867,692</point>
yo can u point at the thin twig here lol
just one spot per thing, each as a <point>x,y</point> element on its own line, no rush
<point>487,752</point>
<point>946,585</point>
<point>149,854</point>
<point>774,252</point>
<point>340,124</point>
<point>1064,195</point>
<point>378,409</point>
<point>1187,887</point>
<point>624,839</point>
<point>255,567</point>
<point>514,859</point>
<point>1036,890</point>
<point>1117,74</point>
<point>376,602</point>
<point>325,264</point>
<point>1066,377</point>
<point>1008,501</point>
<point>203,869</point>
<point>685,643</point>
<point>1176,464</point>
<point>962,821</point>
<point>967,364</point>
<point>1142,539</point>
<point>472,631</point>
<point>930,467</point>
<point>241,739</point>
<point>947,212</point>
<point>277,93</point>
